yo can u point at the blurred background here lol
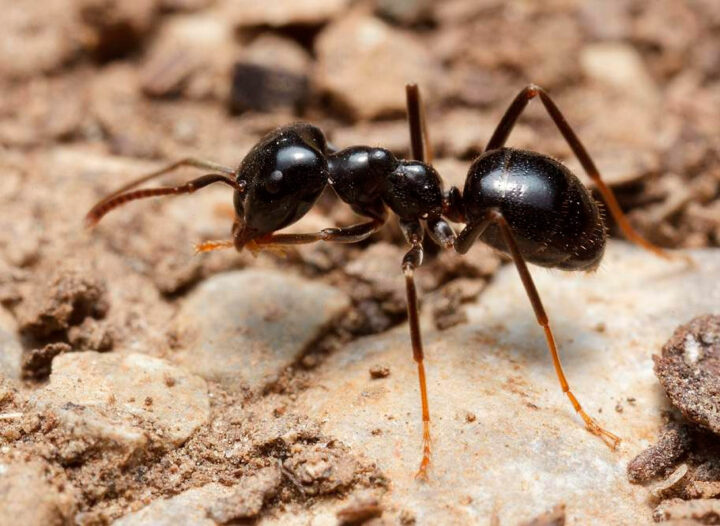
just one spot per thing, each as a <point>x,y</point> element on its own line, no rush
<point>94,93</point>
<point>163,79</point>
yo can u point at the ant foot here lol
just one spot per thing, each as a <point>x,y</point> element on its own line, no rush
<point>689,260</point>
<point>612,441</point>
<point>422,472</point>
<point>209,246</point>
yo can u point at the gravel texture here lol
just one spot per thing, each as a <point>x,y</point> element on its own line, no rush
<point>141,383</point>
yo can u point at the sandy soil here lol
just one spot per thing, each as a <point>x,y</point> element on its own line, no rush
<point>96,92</point>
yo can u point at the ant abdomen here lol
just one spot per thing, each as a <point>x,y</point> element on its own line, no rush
<point>555,220</point>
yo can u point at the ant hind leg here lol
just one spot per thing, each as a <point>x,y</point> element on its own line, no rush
<point>542,318</point>
<point>507,123</point>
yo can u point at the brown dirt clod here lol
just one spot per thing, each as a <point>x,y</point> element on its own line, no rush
<point>36,363</point>
<point>554,517</point>
<point>655,461</point>
<point>379,371</point>
<point>689,371</point>
<point>66,299</point>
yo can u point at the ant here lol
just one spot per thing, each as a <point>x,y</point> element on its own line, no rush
<point>520,202</point>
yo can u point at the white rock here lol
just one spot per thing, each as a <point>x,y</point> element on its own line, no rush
<point>10,348</point>
<point>122,397</point>
<point>365,64</point>
<point>189,507</point>
<point>27,499</point>
<point>245,327</point>
<point>620,66</point>
<point>191,53</point>
<point>282,12</point>
<point>526,450</point>
<point>210,504</point>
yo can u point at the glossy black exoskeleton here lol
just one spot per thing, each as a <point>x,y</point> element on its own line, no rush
<point>283,175</point>
<point>520,202</point>
<point>555,221</point>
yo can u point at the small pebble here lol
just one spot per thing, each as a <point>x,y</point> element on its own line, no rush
<point>379,371</point>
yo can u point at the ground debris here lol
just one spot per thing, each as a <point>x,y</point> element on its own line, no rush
<point>672,486</point>
<point>379,371</point>
<point>699,511</point>
<point>554,517</point>
<point>36,363</point>
<point>689,371</point>
<point>359,510</point>
<point>673,444</point>
<point>248,497</point>
<point>321,468</point>
<point>91,335</point>
<point>66,299</point>
<point>28,495</point>
<point>447,303</point>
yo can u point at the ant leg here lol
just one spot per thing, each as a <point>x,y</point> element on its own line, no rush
<point>413,259</point>
<point>422,151</point>
<point>348,234</point>
<point>97,212</point>
<point>276,242</point>
<point>542,318</point>
<point>506,125</point>
<point>441,232</point>
<point>469,234</point>
<point>209,246</point>
<point>192,162</point>
<point>419,138</point>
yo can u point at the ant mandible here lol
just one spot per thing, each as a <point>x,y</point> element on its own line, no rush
<point>522,203</point>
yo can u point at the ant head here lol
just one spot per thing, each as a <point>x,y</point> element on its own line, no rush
<point>284,175</point>
<point>413,190</point>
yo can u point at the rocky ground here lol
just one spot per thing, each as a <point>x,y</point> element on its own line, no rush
<point>141,384</point>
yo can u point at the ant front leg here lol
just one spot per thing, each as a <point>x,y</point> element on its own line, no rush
<point>276,242</point>
<point>508,121</point>
<point>463,243</point>
<point>348,234</point>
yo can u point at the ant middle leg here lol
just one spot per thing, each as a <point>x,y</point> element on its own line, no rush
<point>463,243</point>
<point>508,121</point>
<point>419,138</point>
<point>413,232</point>
<point>421,150</point>
<point>442,233</point>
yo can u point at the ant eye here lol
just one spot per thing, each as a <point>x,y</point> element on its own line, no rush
<point>274,182</point>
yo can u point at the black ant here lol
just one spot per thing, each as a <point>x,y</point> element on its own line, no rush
<point>520,202</point>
